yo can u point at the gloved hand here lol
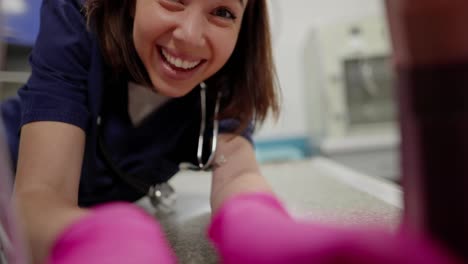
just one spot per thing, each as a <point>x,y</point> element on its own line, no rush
<point>114,233</point>
<point>255,228</point>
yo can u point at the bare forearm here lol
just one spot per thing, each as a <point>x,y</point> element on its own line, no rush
<point>43,217</point>
<point>240,172</point>
<point>242,183</point>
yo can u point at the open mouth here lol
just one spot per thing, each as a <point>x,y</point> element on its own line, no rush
<point>179,64</point>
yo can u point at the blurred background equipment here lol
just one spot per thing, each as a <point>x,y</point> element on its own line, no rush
<point>336,77</point>
<point>19,28</point>
<point>350,83</point>
<point>21,21</point>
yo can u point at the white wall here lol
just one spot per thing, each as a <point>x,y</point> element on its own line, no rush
<point>295,19</point>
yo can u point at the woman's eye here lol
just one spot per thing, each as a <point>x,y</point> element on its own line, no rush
<point>224,13</point>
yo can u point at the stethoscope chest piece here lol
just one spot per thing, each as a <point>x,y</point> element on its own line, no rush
<point>162,197</point>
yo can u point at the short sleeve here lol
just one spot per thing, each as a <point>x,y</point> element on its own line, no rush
<point>57,87</point>
<point>231,125</point>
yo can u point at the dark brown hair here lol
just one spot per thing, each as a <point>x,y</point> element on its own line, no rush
<point>248,79</point>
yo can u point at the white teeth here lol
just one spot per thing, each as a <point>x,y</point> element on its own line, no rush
<point>177,62</point>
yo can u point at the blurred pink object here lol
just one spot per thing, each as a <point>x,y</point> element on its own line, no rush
<point>255,228</point>
<point>114,233</point>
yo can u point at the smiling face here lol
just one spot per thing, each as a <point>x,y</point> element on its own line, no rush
<point>183,42</point>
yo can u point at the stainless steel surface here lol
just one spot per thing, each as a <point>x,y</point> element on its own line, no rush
<point>317,190</point>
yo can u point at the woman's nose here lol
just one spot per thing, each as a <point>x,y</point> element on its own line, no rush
<point>191,30</point>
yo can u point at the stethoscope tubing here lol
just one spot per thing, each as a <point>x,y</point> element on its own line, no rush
<point>205,166</point>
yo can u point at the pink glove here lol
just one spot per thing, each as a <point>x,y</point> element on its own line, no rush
<point>113,233</point>
<point>255,228</point>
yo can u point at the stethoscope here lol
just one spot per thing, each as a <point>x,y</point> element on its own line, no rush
<point>162,195</point>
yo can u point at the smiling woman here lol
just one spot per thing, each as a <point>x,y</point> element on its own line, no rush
<point>122,93</point>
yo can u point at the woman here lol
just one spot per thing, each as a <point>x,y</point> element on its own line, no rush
<point>114,105</point>
<point>116,89</point>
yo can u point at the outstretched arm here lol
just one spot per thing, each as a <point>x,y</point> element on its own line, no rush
<point>239,173</point>
<point>59,232</point>
<point>46,186</point>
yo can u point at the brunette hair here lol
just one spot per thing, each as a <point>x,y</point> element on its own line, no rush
<point>248,79</point>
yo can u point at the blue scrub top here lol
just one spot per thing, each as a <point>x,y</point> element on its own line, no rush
<point>69,83</point>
